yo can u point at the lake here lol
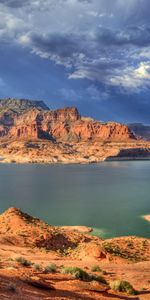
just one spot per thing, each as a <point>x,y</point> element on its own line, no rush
<point>110,196</point>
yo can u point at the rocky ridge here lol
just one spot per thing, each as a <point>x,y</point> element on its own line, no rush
<point>30,132</point>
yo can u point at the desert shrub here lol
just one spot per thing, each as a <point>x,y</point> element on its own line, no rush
<point>81,274</point>
<point>37,267</point>
<point>96,269</point>
<point>76,273</point>
<point>23,261</point>
<point>100,279</point>
<point>51,268</point>
<point>122,286</point>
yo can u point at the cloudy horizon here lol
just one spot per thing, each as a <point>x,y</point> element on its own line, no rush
<point>93,54</point>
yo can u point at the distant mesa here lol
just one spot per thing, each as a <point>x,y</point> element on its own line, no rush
<point>140,130</point>
<point>32,119</point>
<point>31,132</point>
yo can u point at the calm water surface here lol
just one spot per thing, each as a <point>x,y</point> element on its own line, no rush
<point>111,196</point>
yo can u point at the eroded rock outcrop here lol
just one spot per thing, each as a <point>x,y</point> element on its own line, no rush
<point>32,133</point>
<point>65,125</point>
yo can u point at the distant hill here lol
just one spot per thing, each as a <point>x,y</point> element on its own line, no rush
<point>140,130</point>
<point>20,105</point>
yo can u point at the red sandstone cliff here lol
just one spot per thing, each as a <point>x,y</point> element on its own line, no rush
<point>65,125</point>
<point>35,134</point>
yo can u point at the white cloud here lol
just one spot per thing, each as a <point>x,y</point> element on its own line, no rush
<point>11,26</point>
<point>145,53</point>
<point>133,78</point>
<point>92,13</point>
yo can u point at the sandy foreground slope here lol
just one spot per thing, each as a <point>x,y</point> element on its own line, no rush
<point>126,258</point>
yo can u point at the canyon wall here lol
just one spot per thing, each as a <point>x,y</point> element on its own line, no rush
<point>63,125</point>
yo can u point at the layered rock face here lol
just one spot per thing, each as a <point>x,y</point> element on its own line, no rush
<point>11,110</point>
<point>34,134</point>
<point>48,125</point>
<point>62,125</point>
<point>96,131</point>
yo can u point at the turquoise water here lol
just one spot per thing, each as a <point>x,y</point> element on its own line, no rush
<point>111,196</point>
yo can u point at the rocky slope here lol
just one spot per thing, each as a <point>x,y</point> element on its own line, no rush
<point>30,132</point>
<point>21,105</point>
<point>35,258</point>
<point>10,109</point>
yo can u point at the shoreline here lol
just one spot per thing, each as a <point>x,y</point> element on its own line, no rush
<point>81,229</point>
<point>146,218</point>
<point>111,159</point>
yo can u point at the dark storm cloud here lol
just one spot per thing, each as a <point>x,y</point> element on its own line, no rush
<point>14,3</point>
<point>63,45</point>
<point>21,3</point>
<point>137,36</point>
<point>78,53</point>
<point>89,35</point>
<point>88,57</point>
<point>103,41</point>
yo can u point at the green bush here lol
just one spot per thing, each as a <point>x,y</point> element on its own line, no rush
<point>76,273</point>
<point>37,267</point>
<point>23,261</point>
<point>96,269</point>
<point>100,279</point>
<point>122,286</point>
<point>51,268</point>
<point>81,274</point>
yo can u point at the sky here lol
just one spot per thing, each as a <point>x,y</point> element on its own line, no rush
<point>92,54</point>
